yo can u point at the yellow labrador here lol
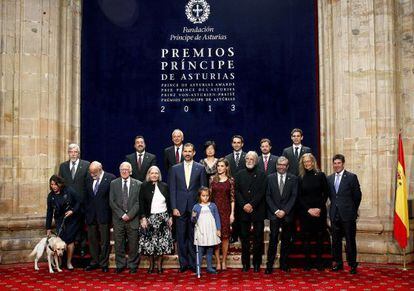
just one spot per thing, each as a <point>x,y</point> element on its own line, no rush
<point>55,247</point>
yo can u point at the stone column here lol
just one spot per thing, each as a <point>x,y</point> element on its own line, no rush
<point>39,116</point>
<point>359,104</point>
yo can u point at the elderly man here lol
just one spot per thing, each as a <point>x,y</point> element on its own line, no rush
<point>281,193</point>
<point>75,173</point>
<point>250,209</point>
<point>141,160</point>
<point>173,154</point>
<point>124,201</point>
<point>98,216</point>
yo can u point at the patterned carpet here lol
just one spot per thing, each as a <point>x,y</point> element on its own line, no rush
<point>370,277</point>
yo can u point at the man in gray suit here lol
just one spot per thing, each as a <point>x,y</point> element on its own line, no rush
<point>124,201</point>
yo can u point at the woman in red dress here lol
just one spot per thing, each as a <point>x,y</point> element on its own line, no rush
<point>222,190</point>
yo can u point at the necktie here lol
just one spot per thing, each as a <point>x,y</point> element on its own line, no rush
<point>139,161</point>
<point>95,189</point>
<point>265,163</point>
<point>125,196</point>
<point>187,174</point>
<point>73,170</point>
<point>297,152</point>
<point>336,185</point>
<point>237,160</point>
<point>177,156</point>
<point>281,185</point>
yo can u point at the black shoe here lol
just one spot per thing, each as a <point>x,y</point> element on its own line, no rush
<point>105,269</point>
<point>353,270</point>
<point>182,269</point>
<point>337,268</point>
<point>256,268</point>
<point>91,267</point>
<point>82,253</point>
<point>307,268</point>
<point>212,271</point>
<point>192,269</point>
<point>269,270</point>
<point>160,270</point>
<point>246,268</point>
<point>285,269</point>
<point>119,270</point>
<point>150,270</point>
<point>133,270</point>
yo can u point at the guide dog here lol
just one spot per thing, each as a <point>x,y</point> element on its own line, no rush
<point>55,247</point>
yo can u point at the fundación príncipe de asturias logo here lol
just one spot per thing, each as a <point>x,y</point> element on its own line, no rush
<point>197,11</point>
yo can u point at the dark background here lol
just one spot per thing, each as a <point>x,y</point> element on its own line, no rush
<point>276,76</point>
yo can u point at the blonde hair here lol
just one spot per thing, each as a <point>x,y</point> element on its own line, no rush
<point>302,167</point>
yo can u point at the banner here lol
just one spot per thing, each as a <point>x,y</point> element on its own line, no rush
<point>212,68</point>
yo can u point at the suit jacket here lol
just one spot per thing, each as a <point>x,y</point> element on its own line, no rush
<point>97,206</point>
<point>242,163</point>
<point>271,164</point>
<point>284,202</point>
<point>183,198</point>
<point>250,187</point>
<point>293,161</point>
<point>169,157</point>
<point>148,160</point>
<point>115,201</point>
<point>348,198</point>
<point>147,193</point>
<point>79,182</point>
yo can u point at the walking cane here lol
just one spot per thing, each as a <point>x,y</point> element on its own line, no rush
<point>198,263</point>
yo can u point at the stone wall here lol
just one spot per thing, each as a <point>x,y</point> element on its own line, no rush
<point>366,65</point>
<point>362,46</point>
<point>39,114</point>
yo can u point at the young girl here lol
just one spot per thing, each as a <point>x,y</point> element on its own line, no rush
<point>207,227</point>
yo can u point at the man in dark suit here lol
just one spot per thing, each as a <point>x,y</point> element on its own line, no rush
<point>250,188</point>
<point>141,160</point>
<point>296,151</point>
<point>237,157</point>
<point>184,181</point>
<point>237,161</point>
<point>281,194</point>
<point>98,216</point>
<point>173,154</point>
<point>75,173</point>
<point>345,195</point>
<point>124,201</point>
<point>267,161</point>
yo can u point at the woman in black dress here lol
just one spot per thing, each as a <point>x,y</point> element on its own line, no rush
<point>155,211</point>
<point>313,193</point>
<point>63,207</point>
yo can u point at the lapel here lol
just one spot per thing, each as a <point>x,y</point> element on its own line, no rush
<point>343,180</point>
<point>102,183</point>
<point>193,174</point>
<point>144,161</point>
<point>77,170</point>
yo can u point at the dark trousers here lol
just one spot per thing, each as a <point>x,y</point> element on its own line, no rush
<point>99,246</point>
<point>185,240</point>
<point>123,232</point>
<point>258,228</point>
<point>339,230</point>
<point>286,240</point>
<point>307,238</point>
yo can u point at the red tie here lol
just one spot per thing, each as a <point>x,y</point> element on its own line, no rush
<point>265,163</point>
<point>177,156</point>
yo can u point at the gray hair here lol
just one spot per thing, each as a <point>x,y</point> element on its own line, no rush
<point>281,159</point>
<point>177,130</point>
<point>74,146</point>
<point>147,177</point>
<point>126,164</point>
<point>254,155</point>
<point>96,164</point>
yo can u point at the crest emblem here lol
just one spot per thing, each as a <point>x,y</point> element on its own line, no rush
<point>197,11</point>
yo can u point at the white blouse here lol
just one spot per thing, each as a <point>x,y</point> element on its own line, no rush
<point>158,204</point>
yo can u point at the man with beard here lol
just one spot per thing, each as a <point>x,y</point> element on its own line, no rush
<point>250,209</point>
<point>185,180</point>
<point>141,160</point>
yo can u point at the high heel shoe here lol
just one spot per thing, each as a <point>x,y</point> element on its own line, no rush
<point>160,270</point>
<point>151,266</point>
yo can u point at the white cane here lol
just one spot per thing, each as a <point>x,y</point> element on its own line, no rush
<point>198,271</point>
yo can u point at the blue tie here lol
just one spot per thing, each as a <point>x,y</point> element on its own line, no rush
<point>95,189</point>
<point>336,184</point>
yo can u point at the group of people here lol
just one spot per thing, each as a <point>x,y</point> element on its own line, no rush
<point>204,206</point>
